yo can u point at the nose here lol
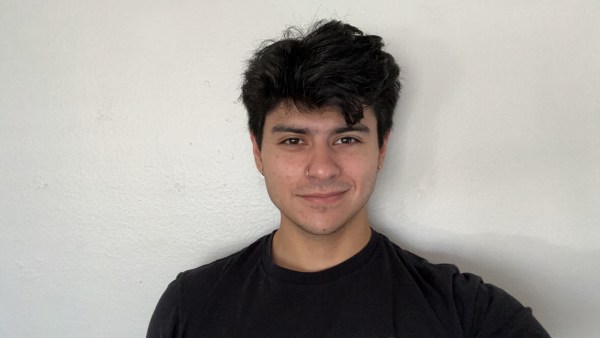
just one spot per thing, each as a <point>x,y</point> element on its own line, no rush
<point>322,164</point>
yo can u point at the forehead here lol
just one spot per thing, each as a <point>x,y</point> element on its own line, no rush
<point>322,119</point>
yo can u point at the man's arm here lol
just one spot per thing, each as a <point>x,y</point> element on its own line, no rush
<point>491,312</point>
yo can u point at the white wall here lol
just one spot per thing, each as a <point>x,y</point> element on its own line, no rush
<point>124,156</point>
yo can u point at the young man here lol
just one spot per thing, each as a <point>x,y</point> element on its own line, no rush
<point>320,110</point>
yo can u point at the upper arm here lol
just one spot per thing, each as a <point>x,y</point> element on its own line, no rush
<point>488,311</point>
<point>164,321</point>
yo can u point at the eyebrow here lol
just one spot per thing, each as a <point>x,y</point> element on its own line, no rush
<point>359,127</point>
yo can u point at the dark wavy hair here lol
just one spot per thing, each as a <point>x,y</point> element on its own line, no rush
<point>333,64</point>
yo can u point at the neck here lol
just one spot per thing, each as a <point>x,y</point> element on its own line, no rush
<point>298,250</point>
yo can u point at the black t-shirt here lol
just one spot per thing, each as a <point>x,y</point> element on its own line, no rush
<point>382,291</point>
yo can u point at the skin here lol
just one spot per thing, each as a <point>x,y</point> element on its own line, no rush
<point>324,218</point>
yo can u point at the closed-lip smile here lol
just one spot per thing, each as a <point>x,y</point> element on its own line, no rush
<point>323,198</point>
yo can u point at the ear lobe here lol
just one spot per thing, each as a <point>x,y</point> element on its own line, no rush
<point>257,154</point>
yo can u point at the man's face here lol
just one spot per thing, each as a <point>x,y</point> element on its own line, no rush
<point>319,171</point>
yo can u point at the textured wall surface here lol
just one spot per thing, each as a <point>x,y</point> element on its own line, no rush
<point>124,156</point>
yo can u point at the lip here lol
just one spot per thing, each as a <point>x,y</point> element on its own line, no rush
<point>324,198</point>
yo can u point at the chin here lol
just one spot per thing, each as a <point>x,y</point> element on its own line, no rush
<point>321,230</point>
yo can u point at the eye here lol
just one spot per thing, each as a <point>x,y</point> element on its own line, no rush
<point>346,140</point>
<point>293,141</point>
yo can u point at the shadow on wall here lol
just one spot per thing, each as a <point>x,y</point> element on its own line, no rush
<point>428,82</point>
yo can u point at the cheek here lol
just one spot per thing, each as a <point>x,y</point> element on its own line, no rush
<point>282,172</point>
<point>285,167</point>
<point>364,175</point>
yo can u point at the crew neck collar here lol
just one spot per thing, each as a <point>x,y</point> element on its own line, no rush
<point>319,277</point>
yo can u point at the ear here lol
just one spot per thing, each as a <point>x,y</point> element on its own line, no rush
<point>257,154</point>
<point>382,150</point>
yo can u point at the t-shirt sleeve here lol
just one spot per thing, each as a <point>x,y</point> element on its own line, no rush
<point>164,321</point>
<point>491,312</point>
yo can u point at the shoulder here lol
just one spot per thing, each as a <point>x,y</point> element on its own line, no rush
<point>421,269</point>
<point>195,286</point>
<point>207,276</point>
<point>483,309</point>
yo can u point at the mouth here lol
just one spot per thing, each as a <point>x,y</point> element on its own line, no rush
<point>324,198</point>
